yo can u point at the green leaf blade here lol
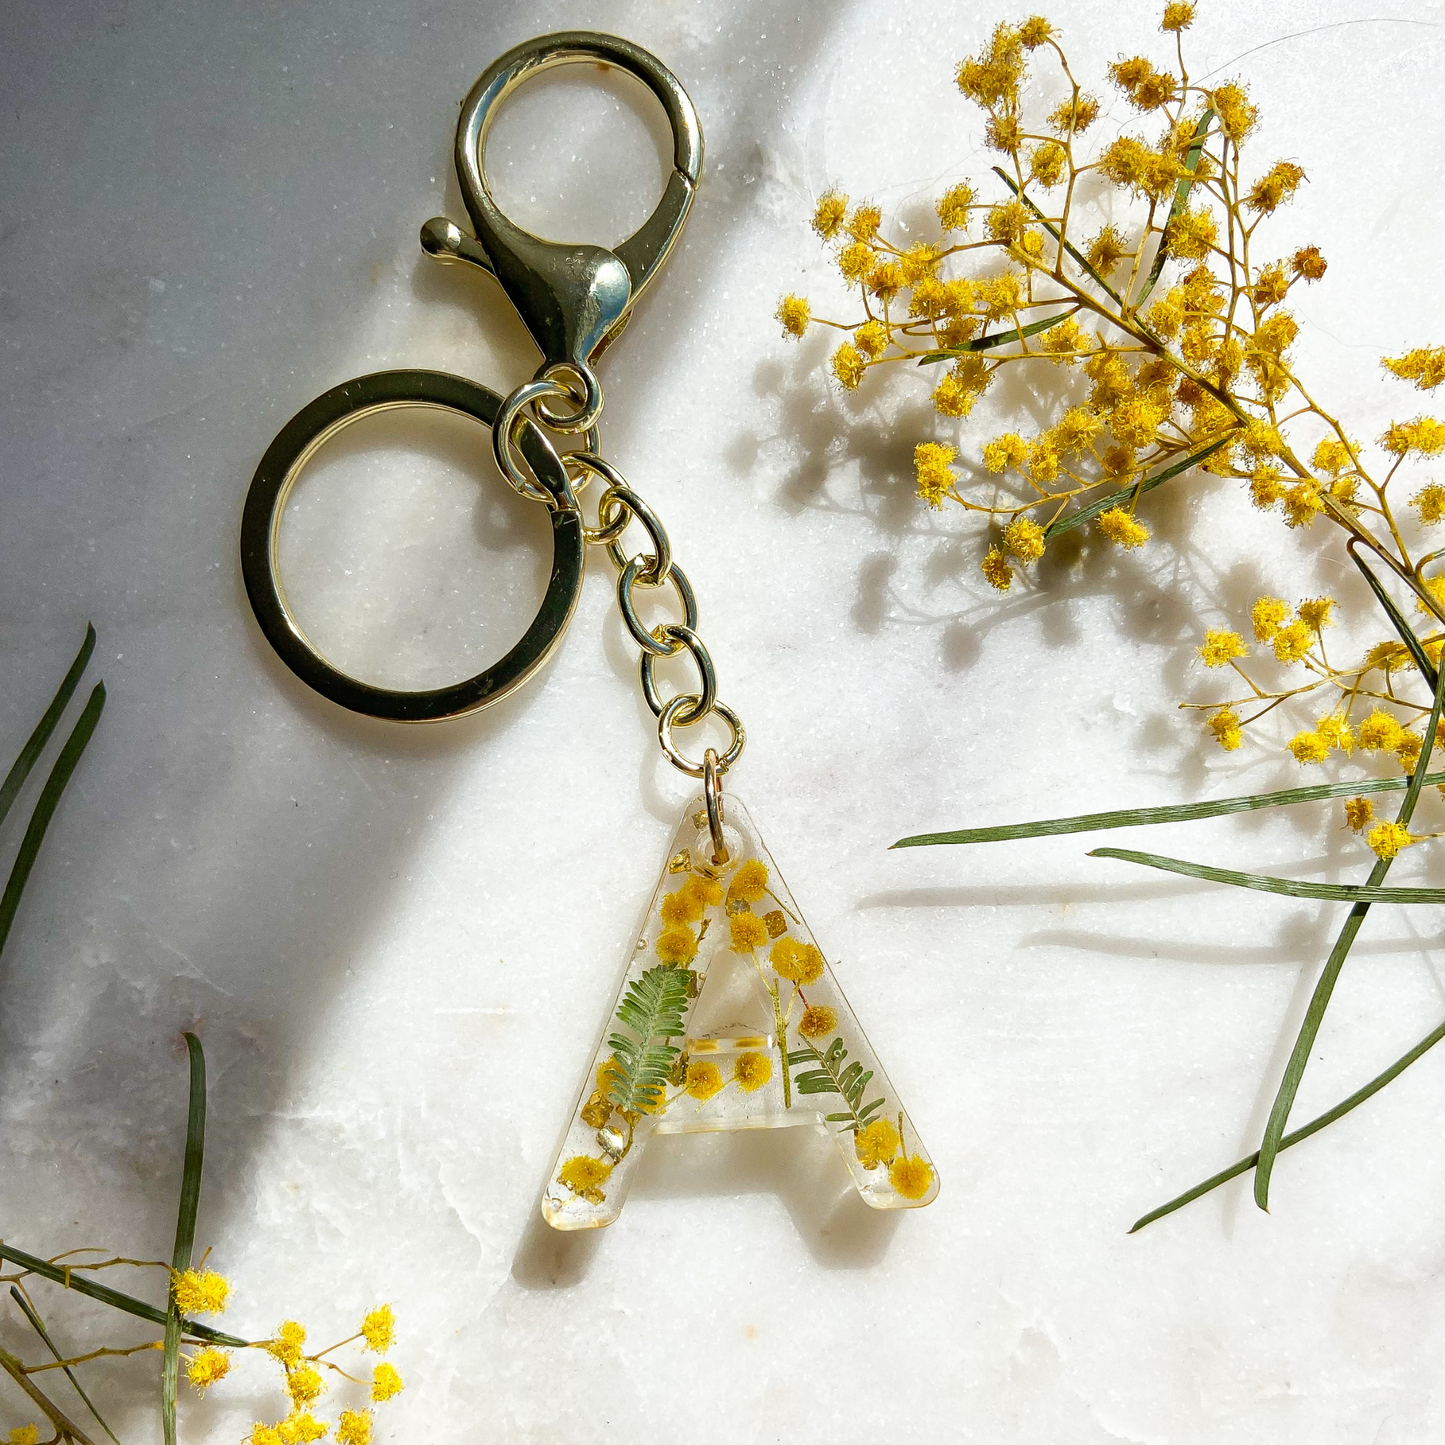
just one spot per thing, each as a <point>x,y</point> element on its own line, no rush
<point>185,1230</point>
<point>35,743</point>
<point>45,808</point>
<point>1171,813</point>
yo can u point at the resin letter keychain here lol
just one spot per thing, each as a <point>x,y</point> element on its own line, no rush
<point>729,1016</point>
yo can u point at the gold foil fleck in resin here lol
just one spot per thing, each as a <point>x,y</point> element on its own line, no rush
<point>730,1017</point>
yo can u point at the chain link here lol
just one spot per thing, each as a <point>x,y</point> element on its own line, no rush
<point>617,508</point>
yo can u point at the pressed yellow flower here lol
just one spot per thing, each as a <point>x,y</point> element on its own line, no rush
<point>200,1292</point>
<point>751,1071</point>
<point>849,366</point>
<point>1118,526</point>
<point>1147,88</point>
<point>1358,813</point>
<point>1380,732</point>
<point>264,1435</point>
<point>911,1177</point>
<point>1226,728</point>
<point>871,338</point>
<point>810,964</point>
<point>1425,366</point>
<point>747,931</point>
<point>996,569</point>
<point>1308,263</point>
<point>676,946</point>
<point>1268,615</point>
<point>953,207</point>
<point>1035,31</point>
<point>794,313</point>
<point>23,1435</point>
<point>1309,747</point>
<point>607,1071</point>
<point>1009,450</point>
<point>863,224</point>
<point>354,1428</point>
<point>207,1366</point>
<point>1024,539</point>
<point>1293,641</point>
<point>1387,839</point>
<point>785,958</point>
<point>385,1382</point>
<point>1000,295</point>
<point>680,907</point>
<point>934,475</point>
<point>828,214</point>
<point>1044,460</point>
<point>380,1324</point>
<point>704,1079</point>
<point>705,892</point>
<point>918,261</point>
<point>1192,234</point>
<point>579,1174</point>
<point>1220,646</point>
<point>1266,487</point>
<point>288,1345</point>
<point>818,1019</point>
<point>304,1384</point>
<point>1316,612</point>
<point>876,1143</point>
<point>1177,16</point>
<point>885,280</point>
<point>750,882</point>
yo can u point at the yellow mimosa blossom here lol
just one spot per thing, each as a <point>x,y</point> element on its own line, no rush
<point>354,1428</point>
<point>871,338</point>
<point>1387,839</point>
<point>751,1071</point>
<point>1225,726</point>
<point>1293,641</point>
<point>849,366</point>
<point>207,1366</point>
<point>304,1384</point>
<point>288,1345</point>
<point>863,224</point>
<point>828,214</point>
<point>1359,812</point>
<point>1316,612</point>
<point>750,882</point>
<point>1220,646</point>
<point>385,1382</point>
<point>876,1143</point>
<point>794,313</point>
<point>1309,747</point>
<point>1425,366</point>
<point>1335,730</point>
<point>818,1020</point>
<point>300,1429</point>
<point>1024,539</point>
<point>1118,526</point>
<point>705,892</point>
<point>704,1079</point>
<point>931,468</point>
<point>676,946</point>
<point>747,931</point>
<point>23,1435</point>
<point>953,207</point>
<point>680,907</point>
<point>1268,615</point>
<point>1380,732</point>
<point>200,1292</point>
<point>912,1177</point>
<point>380,1324</point>
<point>579,1174</point>
<point>996,569</point>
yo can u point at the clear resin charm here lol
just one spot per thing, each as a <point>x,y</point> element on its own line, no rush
<point>730,1017</point>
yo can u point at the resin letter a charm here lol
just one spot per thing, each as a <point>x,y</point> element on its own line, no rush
<point>729,1017</point>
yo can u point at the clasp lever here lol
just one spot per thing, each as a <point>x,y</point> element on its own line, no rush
<point>574,299</point>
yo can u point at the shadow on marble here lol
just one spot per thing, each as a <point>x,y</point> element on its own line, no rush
<point>798,1165</point>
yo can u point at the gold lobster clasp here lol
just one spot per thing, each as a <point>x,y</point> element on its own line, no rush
<point>574,299</point>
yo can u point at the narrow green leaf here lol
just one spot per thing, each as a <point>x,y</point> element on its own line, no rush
<point>1173,813</point>
<point>81,1284</point>
<point>45,808</point>
<point>998,338</point>
<point>38,1325</point>
<point>185,1230</point>
<point>1407,633</point>
<point>1266,883</point>
<point>1049,226</point>
<point>1181,199</point>
<point>35,743</point>
<point>1127,494</point>
<point>1289,1140</point>
<point>1319,1001</point>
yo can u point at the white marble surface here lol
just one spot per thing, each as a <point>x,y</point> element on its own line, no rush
<point>398,944</point>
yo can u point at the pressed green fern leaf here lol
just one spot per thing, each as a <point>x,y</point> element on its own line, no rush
<point>652,1010</point>
<point>831,1077</point>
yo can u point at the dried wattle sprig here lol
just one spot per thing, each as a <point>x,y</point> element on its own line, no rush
<point>1176,314</point>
